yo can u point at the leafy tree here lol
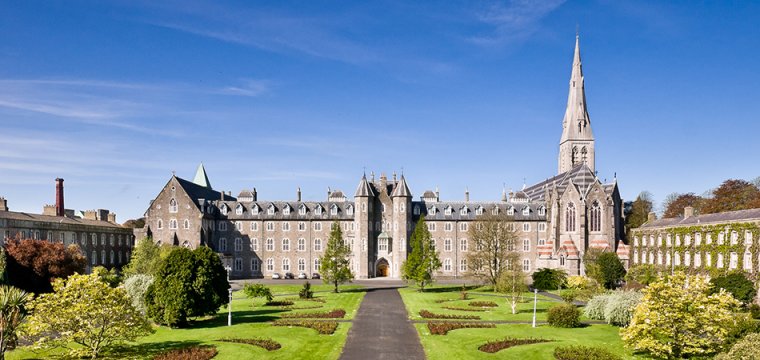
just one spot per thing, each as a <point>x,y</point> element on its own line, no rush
<point>747,348</point>
<point>733,195</point>
<point>605,267</point>
<point>677,318</point>
<point>135,223</point>
<point>675,203</point>
<point>583,287</point>
<point>512,283</point>
<point>3,266</point>
<point>495,239</point>
<point>257,290</point>
<point>423,260</point>
<point>86,311</point>
<point>109,276</point>
<point>33,264</point>
<point>12,314</point>
<point>187,284</point>
<point>146,258</point>
<point>334,266</point>
<point>549,279</point>
<point>637,211</point>
<point>643,274</point>
<point>737,284</point>
<point>136,287</point>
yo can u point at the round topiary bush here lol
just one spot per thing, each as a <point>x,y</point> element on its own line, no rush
<point>580,352</point>
<point>564,315</point>
<point>595,307</point>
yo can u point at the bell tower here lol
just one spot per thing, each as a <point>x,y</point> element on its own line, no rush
<point>577,143</point>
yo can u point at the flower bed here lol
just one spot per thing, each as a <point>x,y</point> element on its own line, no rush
<point>498,345</point>
<point>188,353</point>
<point>461,308</point>
<point>279,303</point>
<point>333,314</point>
<point>305,307</point>
<point>322,327</point>
<point>443,300</point>
<point>443,328</point>
<point>266,344</point>
<point>429,315</point>
<point>483,304</point>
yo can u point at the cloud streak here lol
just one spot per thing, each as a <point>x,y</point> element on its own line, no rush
<point>513,21</point>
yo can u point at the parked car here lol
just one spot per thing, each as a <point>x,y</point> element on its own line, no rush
<point>302,276</point>
<point>315,276</point>
<point>289,275</point>
<point>276,276</point>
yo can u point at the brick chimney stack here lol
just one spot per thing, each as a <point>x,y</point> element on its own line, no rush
<point>59,207</point>
<point>688,212</point>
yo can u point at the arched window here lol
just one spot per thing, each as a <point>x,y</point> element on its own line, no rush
<point>574,157</point>
<point>584,155</point>
<point>187,224</point>
<point>173,206</point>
<point>596,217</point>
<point>570,217</point>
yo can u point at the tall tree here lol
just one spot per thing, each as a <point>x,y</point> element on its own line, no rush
<point>675,203</point>
<point>495,240</point>
<point>334,266</point>
<point>12,313</point>
<point>637,211</point>
<point>146,258</point>
<point>422,262</point>
<point>33,264</point>
<point>604,266</point>
<point>733,195</point>
<point>512,281</point>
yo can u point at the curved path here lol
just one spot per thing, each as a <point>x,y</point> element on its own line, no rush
<point>382,329</point>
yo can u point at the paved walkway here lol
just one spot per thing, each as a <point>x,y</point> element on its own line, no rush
<point>382,329</point>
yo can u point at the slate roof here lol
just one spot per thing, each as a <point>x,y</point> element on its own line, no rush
<point>729,216</point>
<point>294,210</point>
<point>196,192</point>
<point>456,214</point>
<point>22,216</point>
<point>364,189</point>
<point>401,189</point>
<point>580,176</point>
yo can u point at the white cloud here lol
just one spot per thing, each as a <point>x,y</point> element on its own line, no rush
<point>514,20</point>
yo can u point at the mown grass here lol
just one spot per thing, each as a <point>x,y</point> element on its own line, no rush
<point>250,319</point>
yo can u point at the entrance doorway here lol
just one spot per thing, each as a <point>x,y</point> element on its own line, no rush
<point>382,269</point>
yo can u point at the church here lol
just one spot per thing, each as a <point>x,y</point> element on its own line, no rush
<point>557,220</point>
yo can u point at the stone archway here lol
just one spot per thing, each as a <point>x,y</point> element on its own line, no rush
<point>382,268</point>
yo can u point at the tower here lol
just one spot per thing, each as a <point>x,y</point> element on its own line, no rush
<point>364,202</point>
<point>577,143</point>
<point>402,218</point>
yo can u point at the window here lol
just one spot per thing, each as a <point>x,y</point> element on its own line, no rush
<point>541,211</point>
<point>285,244</point>
<point>103,258</point>
<point>570,217</point>
<point>526,211</point>
<point>526,227</point>
<point>721,238</point>
<point>302,210</point>
<point>270,244</point>
<point>238,244</point>
<point>317,226</point>
<point>102,239</point>
<point>462,244</point>
<point>317,244</point>
<point>286,264</point>
<point>747,261</point>
<point>431,226</point>
<point>94,257</point>
<point>447,244</point>
<point>562,260</point>
<point>697,239</point>
<point>286,210</point>
<point>541,242</point>
<point>301,226</point>
<point>734,238</point>
<point>112,240</point>
<point>432,210</point>
<point>270,226</point>
<point>733,260</point>
<point>301,264</point>
<point>238,264</point>
<point>270,264</point>
<point>255,265</point>
<point>254,244</point>
<point>697,260</point>
<point>526,265</point>
<point>479,210</point>
<point>463,226</point>
<point>349,243</point>
<point>350,210</point>
<point>222,244</point>
<point>224,209</point>
<point>382,244</point>
<point>541,227</point>
<point>173,224</point>
<point>159,226</point>
<point>495,210</point>
<point>526,245</point>
<point>447,210</point>
<point>316,264</point>
<point>334,209</point>
<point>464,211</point>
<point>113,257</point>
<point>447,265</point>
<point>254,226</point>
<point>285,226</point>
<point>448,227</point>
<point>318,210</point>
<point>239,225</point>
<point>173,207</point>
<point>239,209</point>
<point>270,209</point>
<point>596,217</point>
<point>462,265</point>
<point>186,224</point>
<point>255,209</point>
<point>222,226</point>
<point>748,238</point>
<point>510,211</point>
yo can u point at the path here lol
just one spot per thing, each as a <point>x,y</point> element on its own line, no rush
<point>382,329</point>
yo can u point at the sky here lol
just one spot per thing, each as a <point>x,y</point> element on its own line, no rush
<point>114,96</point>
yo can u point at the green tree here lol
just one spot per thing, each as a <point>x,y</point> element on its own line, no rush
<point>605,267</point>
<point>422,262</point>
<point>637,211</point>
<point>495,240</point>
<point>84,310</point>
<point>187,284</point>
<point>109,276</point>
<point>549,279</point>
<point>334,266</point>
<point>136,287</point>
<point>643,274</point>
<point>257,290</point>
<point>678,319</point>
<point>12,314</point>
<point>512,282</point>
<point>737,284</point>
<point>146,258</point>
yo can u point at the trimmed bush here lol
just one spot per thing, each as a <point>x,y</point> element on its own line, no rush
<point>279,303</point>
<point>333,314</point>
<point>747,348</point>
<point>322,327</point>
<point>429,315</point>
<point>306,292</point>
<point>737,284</point>
<point>458,308</point>
<point>580,352</point>
<point>619,307</point>
<point>305,307</point>
<point>257,290</point>
<point>498,345</point>
<point>564,315</point>
<point>595,307</point>
<point>189,353</point>
<point>266,344</point>
<point>443,328</point>
<point>136,287</point>
<point>483,304</point>
<point>549,279</point>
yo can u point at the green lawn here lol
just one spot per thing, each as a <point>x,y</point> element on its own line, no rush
<point>250,319</point>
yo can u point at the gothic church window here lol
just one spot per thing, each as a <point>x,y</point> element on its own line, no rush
<point>186,224</point>
<point>596,217</point>
<point>173,206</point>
<point>570,217</point>
<point>584,155</point>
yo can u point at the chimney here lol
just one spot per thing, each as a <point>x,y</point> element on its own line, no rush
<point>90,214</point>
<point>59,207</point>
<point>437,195</point>
<point>102,214</point>
<point>298,194</point>
<point>221,195</point>
<point>466,195</point>
<point>3,204</point>
<point>652,216</point>
<point>254,194</point>
<point>49,210</point>
<point>112,218</point>
<point>688,212</point>
<point>329,191</point>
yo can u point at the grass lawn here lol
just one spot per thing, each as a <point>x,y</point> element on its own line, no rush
<point>250,319</point>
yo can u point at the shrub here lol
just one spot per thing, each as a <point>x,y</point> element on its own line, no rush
<point>136,287</point>
<point>266,344</point>
<point>569,295</point>
<point>578,282</point>
<point>32,265</point>
<point>334,314</point>
<point>643,274</point>
<point>739,327</point>
<point>306,292</point>
<point>605,267</point>
<point>257,290</point>
<point>463,293</point>
<point>747,348</point>
<point>595,307</point>
<point>483,304</point>
<point>279,303</point>
<point>549,279</point>
<point>619,307</point>
<point>580,352</point>
<point>305,307</point>
<point>754,311</point>
<point>458,308</point>
<point>564,315</point>
<point>498,345</point>
<point>322,327</point>
<point>735,283</point>
<point>319,300</point>
<point>443,328</point>
<point>189,353</point>
<point>429,315</point>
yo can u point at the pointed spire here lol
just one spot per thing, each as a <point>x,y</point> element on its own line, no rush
<point>201,178</point>
<point>504,193</point>
<point>364,190</point>
<point>576,124</point>
<point>401,189</point>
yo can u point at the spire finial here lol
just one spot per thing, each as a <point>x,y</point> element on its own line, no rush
<point>577,31</point>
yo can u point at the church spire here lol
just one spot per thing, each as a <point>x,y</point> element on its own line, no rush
<point>577,142</point>
<point>201,178</point>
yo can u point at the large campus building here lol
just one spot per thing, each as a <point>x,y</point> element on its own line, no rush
<point>557,219</point>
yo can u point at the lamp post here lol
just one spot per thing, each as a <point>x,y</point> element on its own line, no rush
<point>535,299</point>
<point>229,303</point>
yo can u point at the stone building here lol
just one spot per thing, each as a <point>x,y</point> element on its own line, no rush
<point>709,243</point>
<point>557,219</point>
<point>102,241</point>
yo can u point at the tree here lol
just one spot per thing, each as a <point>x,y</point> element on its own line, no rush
<point>33,264</point>
<point>637,211</point>
<point>136,287</point>
<point>605,267</point>
<point>257,290</point>
<point>549,279</point>
<point>146,258</point>
<point>643,274</point>
<point>422,262</point>
<point>12,314</point>
<point>189,283</point>
<point>747,348</point>
<point>334,266</point>
<point>3,266</point>
<point>677,318</point>
<point>737,284</point>
<point>86,311</point>
<point>135,223</point>
<point>733,195</point>
<point>494,237</point>
<point>512,282</point>
<point>675,203</point>
<point>109,276</point>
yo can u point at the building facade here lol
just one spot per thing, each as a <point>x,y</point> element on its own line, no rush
<point>557,219</point>
<point>709,244</point>
<point>102,241</point>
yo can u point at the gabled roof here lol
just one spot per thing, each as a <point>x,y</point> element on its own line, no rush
<point>195,192</point>
<point>581,176</point>
<point>728,216</point>
<point>201,179</point>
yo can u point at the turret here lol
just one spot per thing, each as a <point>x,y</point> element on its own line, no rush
<point>364,199</point>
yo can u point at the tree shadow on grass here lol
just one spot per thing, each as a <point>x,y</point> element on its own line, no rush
<point>245,316</point>
<point>450,289</point>
<point>146,350</point>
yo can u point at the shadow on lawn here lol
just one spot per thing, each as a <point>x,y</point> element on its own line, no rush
<point>146,350</point>
<point>245,316</point>
<point>451,289</point>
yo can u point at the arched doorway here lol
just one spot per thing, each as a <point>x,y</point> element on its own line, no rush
<point>382,269</point>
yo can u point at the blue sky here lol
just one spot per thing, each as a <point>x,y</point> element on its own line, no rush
<point>114,96</point>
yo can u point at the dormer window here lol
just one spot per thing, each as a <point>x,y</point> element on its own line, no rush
<point>541,211</point>
<point>479,210</point>
<point>526,211</point>
<point>464,211</point>
<point>239,209</point>
<point>334,209</point>
<point>432,210</point>
<point>271,209</point>
<point>447,210</point>
<point>416,210</point>
<point>495,210</point>
<point>510,211</point>
<point>286,210</point>
<point>302,210</point>
<point>255,209</point>
<point>224,209</point>
<point>318,210</point>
